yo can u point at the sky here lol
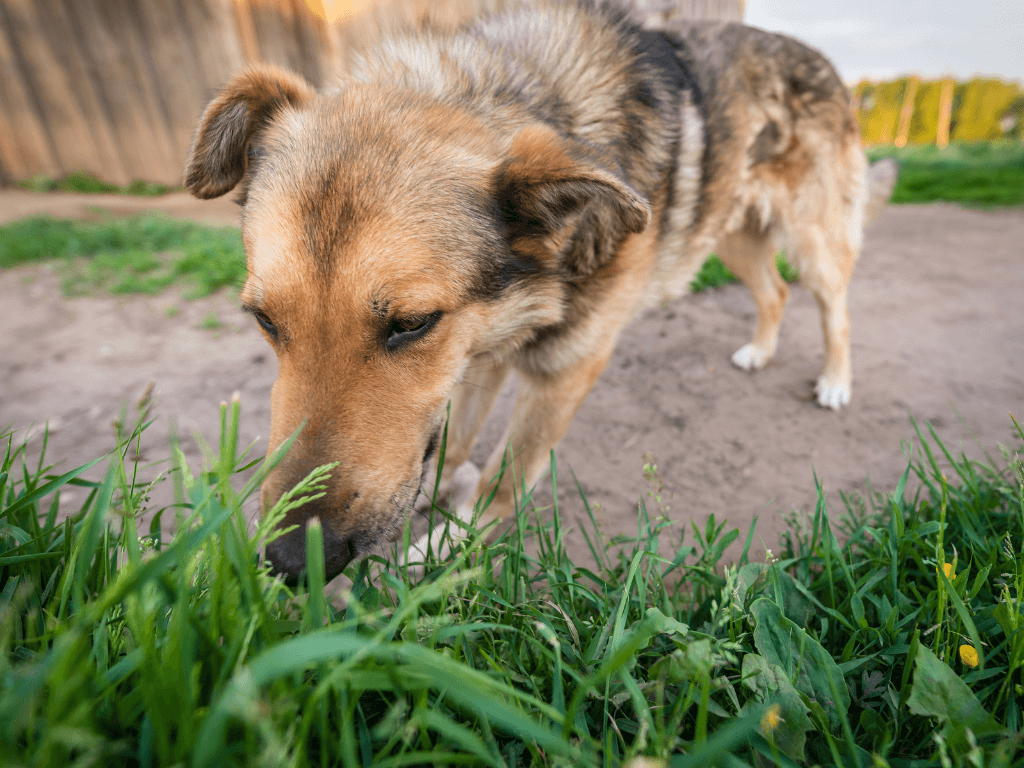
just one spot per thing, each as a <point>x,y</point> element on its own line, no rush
<point>881,39</point>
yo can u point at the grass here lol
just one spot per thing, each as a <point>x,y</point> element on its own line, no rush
<point>120,646</point>
<point>714,274</point>
<point>140,254</point>
<point>985,174</point>
<point>80,181</point>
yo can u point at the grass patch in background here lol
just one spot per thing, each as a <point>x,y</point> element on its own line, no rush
<point>80,181</point>
<point>983,174</point>
<point>139,254</point>
<point>117,645</point>
<point>714,274</point>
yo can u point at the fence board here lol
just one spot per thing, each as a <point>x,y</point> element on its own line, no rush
<point>180,97</point>
<point>114,87</point>
<point>48,77</point>
<point>211,26</point>
<point>36,153</point>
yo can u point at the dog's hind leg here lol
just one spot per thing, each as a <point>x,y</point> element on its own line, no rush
<point>749,255</point>
<point>826,262</point>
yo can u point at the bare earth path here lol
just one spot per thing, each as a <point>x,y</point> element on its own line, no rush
<point>938,329</point>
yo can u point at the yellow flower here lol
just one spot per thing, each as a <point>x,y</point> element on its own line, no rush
<point>968,655</point>
<point>947,568</point>
<point>771,719</point>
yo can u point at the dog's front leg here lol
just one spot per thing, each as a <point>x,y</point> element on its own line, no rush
<point>471,401</point>
<point>543,412</point>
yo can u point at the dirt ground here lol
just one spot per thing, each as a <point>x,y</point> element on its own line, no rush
<point>938,330</point>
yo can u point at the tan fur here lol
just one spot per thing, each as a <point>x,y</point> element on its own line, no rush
<point>468,202</point>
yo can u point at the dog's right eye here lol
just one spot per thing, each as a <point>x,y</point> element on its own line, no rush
<point>408,329</point>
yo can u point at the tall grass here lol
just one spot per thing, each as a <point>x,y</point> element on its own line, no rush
<point>847,648</point>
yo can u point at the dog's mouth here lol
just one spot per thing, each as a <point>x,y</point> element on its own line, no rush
<point>287,555</point>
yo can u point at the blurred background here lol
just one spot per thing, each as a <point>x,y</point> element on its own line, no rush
<point>111,89</point>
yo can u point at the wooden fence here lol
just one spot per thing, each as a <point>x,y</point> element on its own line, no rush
<point>910,110</point>
<point>114,87</point>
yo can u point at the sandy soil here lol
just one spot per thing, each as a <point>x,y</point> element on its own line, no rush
<point>938,330</point>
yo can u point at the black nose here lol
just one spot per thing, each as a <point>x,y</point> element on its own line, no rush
<point>287,554</point>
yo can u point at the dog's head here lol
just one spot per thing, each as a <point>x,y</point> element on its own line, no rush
<point>392,239</point>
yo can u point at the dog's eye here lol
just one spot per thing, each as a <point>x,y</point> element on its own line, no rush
<point>407,329</point>
<point>265,324</point>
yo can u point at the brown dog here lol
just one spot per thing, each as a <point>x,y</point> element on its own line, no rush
<point>509,195</point>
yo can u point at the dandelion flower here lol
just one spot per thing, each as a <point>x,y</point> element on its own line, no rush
<point>968,655</point>
<point>771,719</point>
<point>947,568</point>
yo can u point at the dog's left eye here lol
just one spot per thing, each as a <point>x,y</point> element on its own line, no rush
<point>265,324</point>
<point>407,329</point>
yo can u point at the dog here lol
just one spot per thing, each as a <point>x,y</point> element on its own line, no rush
<point>508,195</point>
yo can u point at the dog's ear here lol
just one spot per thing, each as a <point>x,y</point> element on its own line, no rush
<point>243,108</point>
<point>554,193</point>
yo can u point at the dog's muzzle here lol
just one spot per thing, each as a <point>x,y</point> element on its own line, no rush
<point>287,554</point>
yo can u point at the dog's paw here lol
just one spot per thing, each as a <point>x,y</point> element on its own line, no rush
<point>831,393</point>
<point>462,489</point>
<point>751,357</point>
<point>451,492</point>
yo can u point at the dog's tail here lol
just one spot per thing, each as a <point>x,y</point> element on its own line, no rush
<point>881,181</point>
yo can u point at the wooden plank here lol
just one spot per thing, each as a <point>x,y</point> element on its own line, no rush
<point>32,30</point>
<point>310,40</point>
<point>907,111</point>
<point>12,162</point>
<point>246,26</point>
<point>68,46</point>
<point>275,34</point>
<point>142,133</point>
<point>172,71</point>
<point>29,149</point>
<point>945,113</point>
<point>213,28</point>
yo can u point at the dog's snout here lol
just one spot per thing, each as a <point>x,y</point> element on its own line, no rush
<point>287,554</point>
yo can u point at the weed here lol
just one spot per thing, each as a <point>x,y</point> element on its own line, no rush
<point>714,274</point>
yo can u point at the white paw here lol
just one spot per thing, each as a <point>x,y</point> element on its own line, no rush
<point>461,493</point>
<point>750,357</point>
<point>462,489</point>
<point>463,481</point>
<point>832,394</point>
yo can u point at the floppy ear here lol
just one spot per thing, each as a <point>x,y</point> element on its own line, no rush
<point>243,108</point>
<point>554,194</point>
